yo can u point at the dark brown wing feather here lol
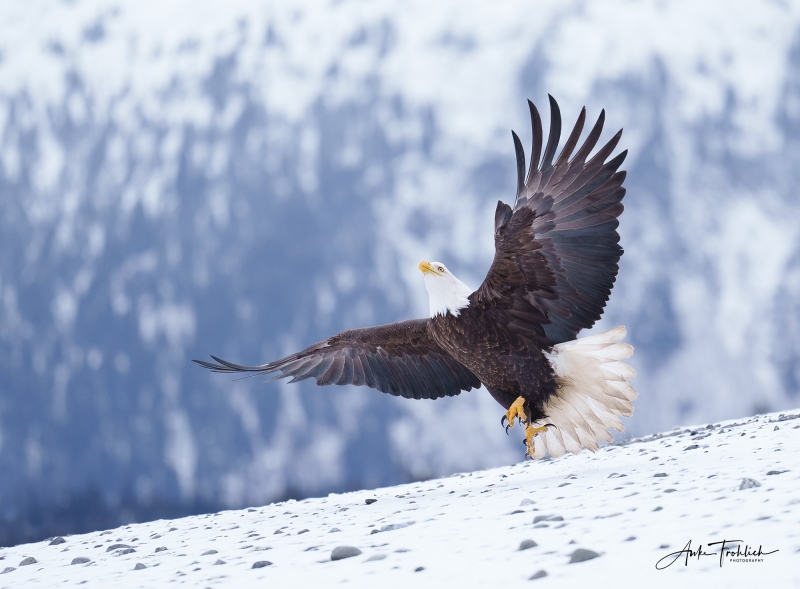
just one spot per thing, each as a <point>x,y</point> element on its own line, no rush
<point>401,359</point>
<point>556,251</point>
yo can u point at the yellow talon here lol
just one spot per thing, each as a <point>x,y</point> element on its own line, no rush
<point>530,432</point>
<point>517,409</point>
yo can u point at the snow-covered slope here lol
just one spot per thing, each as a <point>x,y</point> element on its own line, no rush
<point>245,178</point>
<point>618,513</point>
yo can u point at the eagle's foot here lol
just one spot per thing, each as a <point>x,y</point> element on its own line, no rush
<point>517,410</point>
<point>530,433</point>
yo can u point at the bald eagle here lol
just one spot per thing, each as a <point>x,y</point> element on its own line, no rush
<point>555,262</point>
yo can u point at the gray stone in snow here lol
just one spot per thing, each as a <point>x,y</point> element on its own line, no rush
<point>126,551</point>
<point>391,527</point>
<point>261,564</point>
<point>776,472</point>
<point>538,575</point>
<point>27,561</point>
<point>57,540</point>
<point>220,561</point>
<point>139,566</point>
<point>748,484</point>
<point>370,501</point>
<point>334,530</point>
<point>581,555</point>
<point>376,557</point>
<point>527,502</point>
<point>116,547</point>
<point>692,447</point>
<point>342,552</point>
<point>207,552</point>
<point>161,549</point>
<point>547,518</point>
<point>8,570</point>
<point>525,544</point>
<point>80,560</point>
<point>660,474</point>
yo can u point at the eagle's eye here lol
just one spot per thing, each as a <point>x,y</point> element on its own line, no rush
<point>441,268</point>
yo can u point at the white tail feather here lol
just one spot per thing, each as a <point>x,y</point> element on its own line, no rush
<point>593,393</point>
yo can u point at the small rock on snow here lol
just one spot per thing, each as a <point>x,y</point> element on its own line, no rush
<point>27,561</point>
<point>8,570</point>
<point>660,474</point>
<point>220,561</point>
<point>207,552</point>
<point>390,527</point>
<point>776,472</point>
<point>547,518</point>
<point>525,544</point>
<point>581,555</point>
<point>418,569</point>
<point>527,502</point>
<point>342,552</point>
<point>139,566</point>
<point>116,547</point>
<point>370,501</point>
<point>57,540</point>
<point>80,560</point>
<point>261,564</point>
<point>334,530</point>
<point>538,575</point>
<point>749,484</point>
<point>161,549</point>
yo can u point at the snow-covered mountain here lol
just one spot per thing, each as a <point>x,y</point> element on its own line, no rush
<point>242,179</point>
<point>624,516</point>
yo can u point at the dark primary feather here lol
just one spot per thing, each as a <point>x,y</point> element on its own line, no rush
<point>401,359</point>
<point>556,254</point>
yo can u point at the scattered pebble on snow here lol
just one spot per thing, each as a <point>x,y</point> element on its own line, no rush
<point>582,555</point>
<point>749,484</point>
<point>538,575</point>
<point>342,552</point>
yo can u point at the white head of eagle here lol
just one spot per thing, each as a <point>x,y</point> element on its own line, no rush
<point>445,291</point>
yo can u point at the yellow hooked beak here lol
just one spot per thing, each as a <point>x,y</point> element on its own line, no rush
<point>427,268</point>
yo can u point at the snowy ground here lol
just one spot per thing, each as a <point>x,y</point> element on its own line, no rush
<point>631,504</point>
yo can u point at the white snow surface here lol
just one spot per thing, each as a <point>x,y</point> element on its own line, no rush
<point>632,504</point>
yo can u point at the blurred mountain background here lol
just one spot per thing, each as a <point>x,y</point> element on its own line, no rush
<point>243,179</point>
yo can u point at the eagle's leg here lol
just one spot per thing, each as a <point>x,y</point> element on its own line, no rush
<point>530,433</point>
<point>517,410</point>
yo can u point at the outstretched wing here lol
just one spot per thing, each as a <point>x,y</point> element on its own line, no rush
<point>556,251</point>
<point>401,359</point>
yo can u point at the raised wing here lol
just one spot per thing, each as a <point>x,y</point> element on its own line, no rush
<point>399,358</point>
<point>556,251</point>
